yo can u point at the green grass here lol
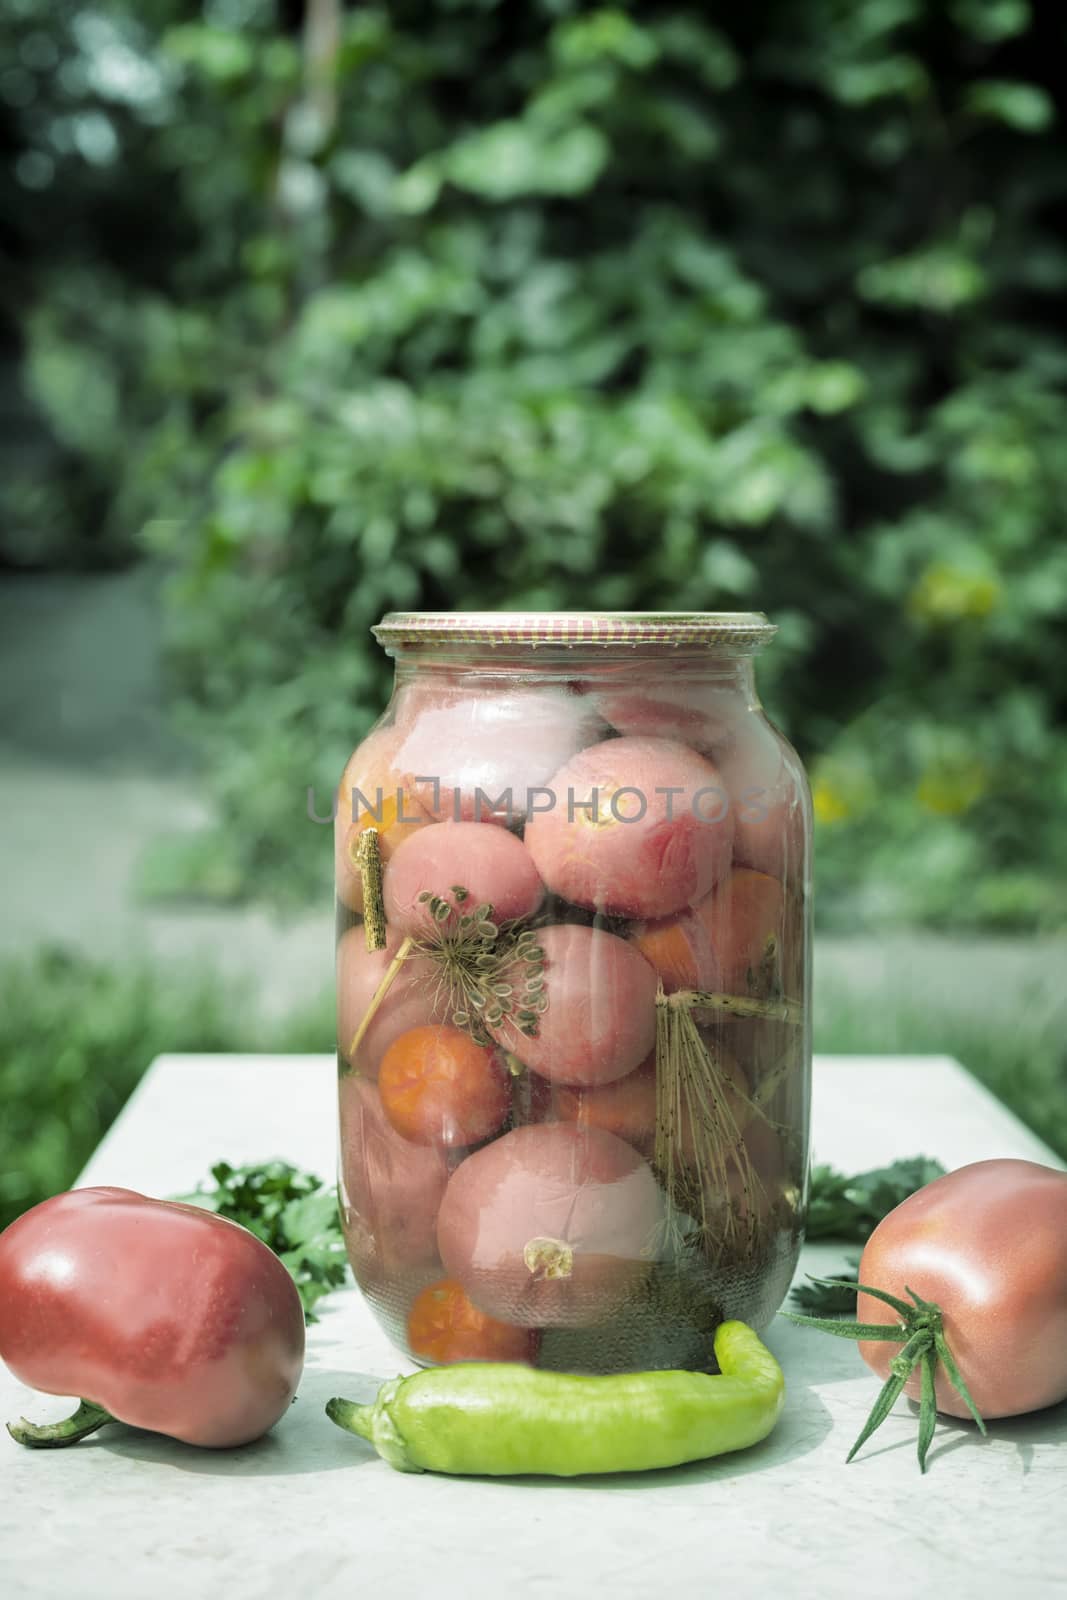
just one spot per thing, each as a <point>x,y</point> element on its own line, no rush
<point>76,1036</point>
<point>1017,1049</point>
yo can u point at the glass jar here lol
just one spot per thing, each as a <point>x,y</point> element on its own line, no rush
<point>573,982</point>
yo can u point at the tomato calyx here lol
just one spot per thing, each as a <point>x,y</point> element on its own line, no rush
<point>921,1336</point>
<point>548,1258</point>
<point>56,1435</point>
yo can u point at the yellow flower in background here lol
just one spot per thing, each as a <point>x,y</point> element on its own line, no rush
<point>841,790</point>
<point>945,594</point>
<point>951,789</point>
<point>828,803</point>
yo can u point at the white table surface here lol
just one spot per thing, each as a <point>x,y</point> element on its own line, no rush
<point>310,1510</point>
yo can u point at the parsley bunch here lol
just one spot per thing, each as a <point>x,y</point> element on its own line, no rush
<point>293,1212</point>
<point>850,1208</point>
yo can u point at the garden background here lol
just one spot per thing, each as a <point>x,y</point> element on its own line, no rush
<point>310,311</point>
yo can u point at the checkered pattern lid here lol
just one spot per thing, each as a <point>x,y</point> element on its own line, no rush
<point>726,632</point>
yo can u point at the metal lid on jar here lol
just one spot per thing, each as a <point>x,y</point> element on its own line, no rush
<point>731,632</point>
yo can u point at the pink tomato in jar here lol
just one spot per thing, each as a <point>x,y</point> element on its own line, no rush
<point>600,1018</point>
<point>638,827</point>
<point>391,1189</point>
<point>479,756</point>
<point>550,1226</point>
<point>488,865</point>
<point>769,803</point>
<point>696,712</point>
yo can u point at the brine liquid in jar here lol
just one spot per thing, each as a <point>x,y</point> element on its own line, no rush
<point>573,990</point>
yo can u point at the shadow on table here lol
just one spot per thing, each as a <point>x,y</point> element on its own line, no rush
<point>958,1433</point>
<point>1037,1428</point>
<point>306,1441</point>
<point>819,1356</point>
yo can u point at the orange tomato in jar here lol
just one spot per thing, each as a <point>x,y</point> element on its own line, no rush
<point>743,915</point>
<point>444,1326</point>
<point>722,943</point>
<point>680,951</point>
<point>438,1087</point>
<point>627,1107</point>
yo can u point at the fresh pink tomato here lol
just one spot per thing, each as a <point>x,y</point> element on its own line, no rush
<point>158,1314</point>
<point>988,1245</point>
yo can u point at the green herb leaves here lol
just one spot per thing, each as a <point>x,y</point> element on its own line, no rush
<point>293,1212</point>
<point>834,1296</point>
<point>846,1208</point>
<point>851,1208</point>
<point>489,973</point>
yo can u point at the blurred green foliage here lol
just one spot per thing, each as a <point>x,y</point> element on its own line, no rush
<point>76,1036</point>
<point>467,303</point>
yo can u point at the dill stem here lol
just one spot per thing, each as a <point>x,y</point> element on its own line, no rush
<point>379,995</point>
<point>737,1005</point>
<point>369,861</point>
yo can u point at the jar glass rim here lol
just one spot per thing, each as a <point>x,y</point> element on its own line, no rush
<point>732,632</point>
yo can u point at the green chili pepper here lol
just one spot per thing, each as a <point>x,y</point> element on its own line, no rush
<point>496,1419</point>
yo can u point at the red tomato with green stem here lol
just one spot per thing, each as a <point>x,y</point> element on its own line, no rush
<point>963,1297</point>
<point>988,1245</point>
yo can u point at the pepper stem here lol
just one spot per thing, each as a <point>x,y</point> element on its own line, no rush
<point>56,1435</point>
<point>375,1424</point>
<point>355,1418</point>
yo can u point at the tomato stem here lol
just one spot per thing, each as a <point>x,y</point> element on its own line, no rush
<point>927,1405</point>
<point>56,1435</point>
<point>923,1344</point>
